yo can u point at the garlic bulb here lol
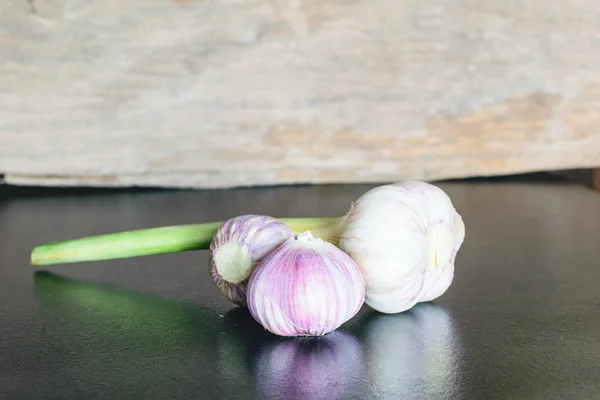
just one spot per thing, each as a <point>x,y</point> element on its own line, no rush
<point>237,246</point>
<point>404,237</point>
<point>305,287</point>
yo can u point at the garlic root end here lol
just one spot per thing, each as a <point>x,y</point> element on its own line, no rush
<point>233,262</point>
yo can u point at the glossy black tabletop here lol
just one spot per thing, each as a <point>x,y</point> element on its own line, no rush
<point>521,320</point>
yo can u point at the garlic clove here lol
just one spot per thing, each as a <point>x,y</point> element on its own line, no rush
<point>438,246</point>
<point>439,278</point>
<point>237,246</point>
<point>305,287</point>
<point>404,237</point>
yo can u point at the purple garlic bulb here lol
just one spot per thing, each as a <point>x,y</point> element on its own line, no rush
<point>305,287</point>
<point>236,248</point>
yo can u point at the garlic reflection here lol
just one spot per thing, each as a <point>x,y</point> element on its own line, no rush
<point>405,238</point>
<point>329,367</point>
<point>415,353</point>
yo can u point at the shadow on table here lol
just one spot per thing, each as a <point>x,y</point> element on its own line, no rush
<point>374,355</point>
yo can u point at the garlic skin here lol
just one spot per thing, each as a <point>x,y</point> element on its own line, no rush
<point>404,237</point>
<point>236,248</point>
<point>305,287</point>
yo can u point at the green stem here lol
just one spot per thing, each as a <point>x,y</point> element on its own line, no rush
<point>168,239</point>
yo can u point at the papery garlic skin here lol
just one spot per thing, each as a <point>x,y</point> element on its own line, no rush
<point>404,237</point>
<point>237,246</point>
<point>305,287</point>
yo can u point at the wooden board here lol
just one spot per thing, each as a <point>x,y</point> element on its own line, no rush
<point>202,93</point>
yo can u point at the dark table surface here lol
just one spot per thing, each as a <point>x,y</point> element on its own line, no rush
<point>521,320</point>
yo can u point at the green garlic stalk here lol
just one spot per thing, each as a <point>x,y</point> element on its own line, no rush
<point>169,239</point>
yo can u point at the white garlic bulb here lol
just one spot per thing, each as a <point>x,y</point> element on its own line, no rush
<point>237,246</point>
<point>305,287</point>
<point>404,237</point>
